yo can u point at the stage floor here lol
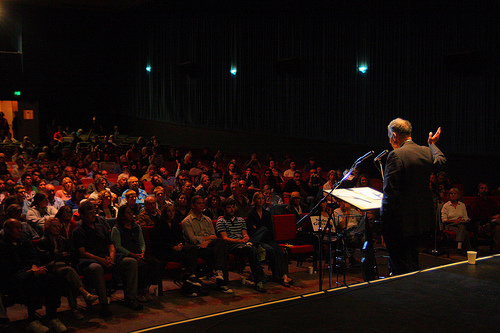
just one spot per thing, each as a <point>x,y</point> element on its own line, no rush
<point>452,298</point>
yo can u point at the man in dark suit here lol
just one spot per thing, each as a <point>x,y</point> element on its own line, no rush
<point>407,200</point>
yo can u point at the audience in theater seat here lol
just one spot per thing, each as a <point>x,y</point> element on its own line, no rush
<point>29,282</point>
<point>296,184</point>
<point>47,168</point>
<point>242,204</point>
<point>455,218</point>
<point>485,215</point>
<point>168,244</point>
<point>150,215</point>
<point>97,256</point>
<point>68,186</point>
<point>261,231</point>
<point>233,231</point>
<point>128,240</point>
<point>199,233</point>
<point>55,254</point>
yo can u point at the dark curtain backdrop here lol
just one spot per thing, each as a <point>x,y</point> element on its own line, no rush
<point>435,65</point>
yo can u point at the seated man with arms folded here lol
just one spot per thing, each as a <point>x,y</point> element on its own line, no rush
<point>199,232</point>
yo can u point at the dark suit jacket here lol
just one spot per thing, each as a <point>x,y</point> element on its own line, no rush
<point>407,200</point>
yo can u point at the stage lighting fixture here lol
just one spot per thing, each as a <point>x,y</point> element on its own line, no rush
<point>362,69</point>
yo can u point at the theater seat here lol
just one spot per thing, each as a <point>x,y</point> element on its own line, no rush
<point>285,232</point>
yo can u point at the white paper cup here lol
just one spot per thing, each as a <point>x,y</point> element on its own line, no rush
<point>471,257</point>
<point>310,270</point>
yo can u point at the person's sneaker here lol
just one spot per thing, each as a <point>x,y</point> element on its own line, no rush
<point>77,314</point>
<point>105,311</point>
<point>192,294</point>
<point>37,327</point>
<point>225,289</point>
<point>57,325</point>
<point>219,275</point>
<point>132,304</point>
<point>259,286</point>
<point>194,281</point>
<point>91,299</point>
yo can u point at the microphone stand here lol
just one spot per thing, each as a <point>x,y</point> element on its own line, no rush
<point>330,218</point>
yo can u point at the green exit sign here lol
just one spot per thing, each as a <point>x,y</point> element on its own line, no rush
<point>17,93</point>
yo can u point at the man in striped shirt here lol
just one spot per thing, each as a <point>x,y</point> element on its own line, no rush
<point>233,231</point>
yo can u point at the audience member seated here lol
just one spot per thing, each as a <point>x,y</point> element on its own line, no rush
<point>167,243</point>
<point>39,212</point>
<point>81,171</point>
<point>289,172</point>
<point>133,185</point>
<point>253,163</point>
<point>182,208</point>
<point>128,240</point>
<point>315,183</point>
<point>100,184</point>
<point>54,201</point>
<point>150,214</point>
<point>26,280</point>
<point>19,168</point>
<point>484,214</point>
<point>203,189</point>
<point>166,179</point>
<point>105,205</point>
<point>296,185</point>
<point>180,180</point>
<point>106,163</point>
<point>20,194</point>
<point>150,172</point>
<point>332,180</point>
<point>155,182</point>
<point>242,204</point>
<point>77,197</point>
<point>131,202</point>
<point>454,217</point>
<point>213,204</point>
<point>121,185</point>
<point>27,182</point>
<point>97,256</point>
<point>253,184</point>
<point>215,174</point>
<point>161,198</point>
<point>443,184</point>
<point>14,211</point>
<point>228,175</point>
<point>55,254</point>
<point>200,234</point>
<point>296,207</point>
<point>364,181</point>
<point>198,169</point>
<point>233,231</point>
<point>272,198</point>
<point>260,229</point>
<point>351,224</point>
<point>311,165</point>
<point>68,187</point>
<point>68,224</point>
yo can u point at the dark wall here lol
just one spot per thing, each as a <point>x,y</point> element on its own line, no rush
<point>434,63</point>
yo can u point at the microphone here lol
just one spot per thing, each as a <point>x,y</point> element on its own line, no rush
<point>364,157</point>
<point>379,156</point>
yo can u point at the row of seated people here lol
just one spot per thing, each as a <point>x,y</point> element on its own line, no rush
<point>478,216</point>
<point>123,251</point>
